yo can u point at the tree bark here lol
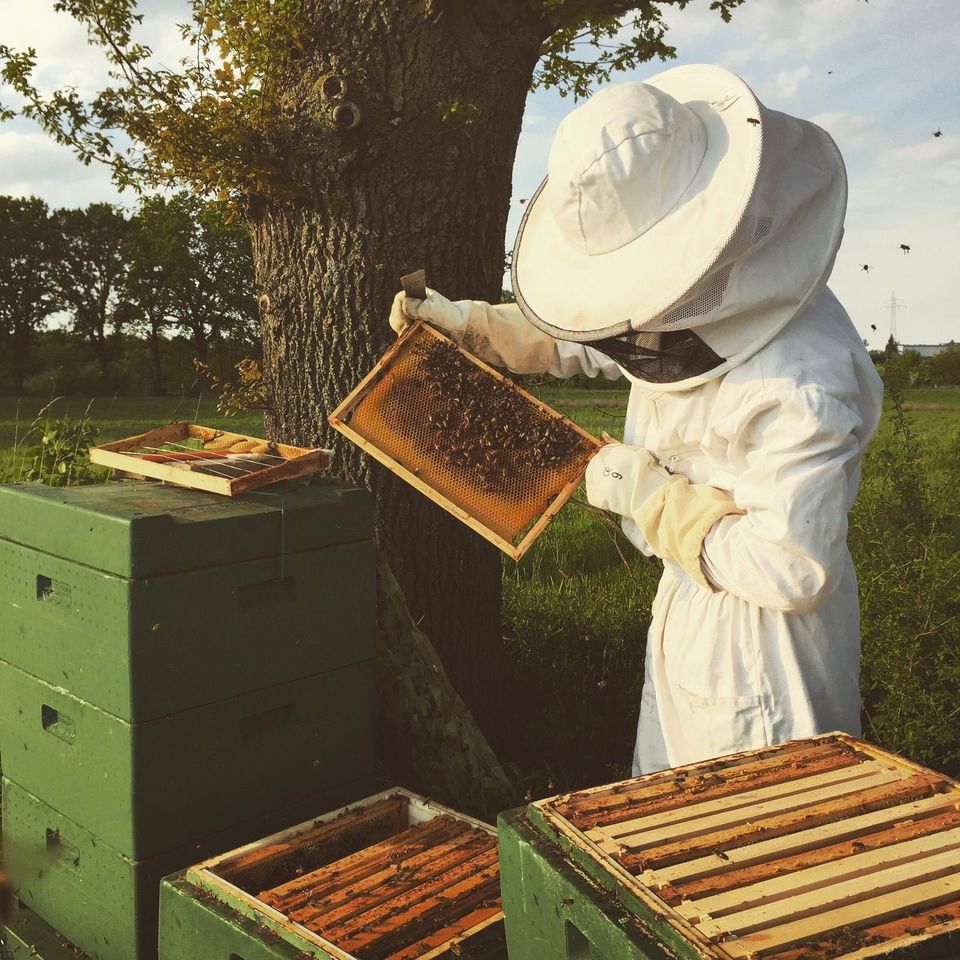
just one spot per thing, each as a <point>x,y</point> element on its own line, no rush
<point>422,180</point>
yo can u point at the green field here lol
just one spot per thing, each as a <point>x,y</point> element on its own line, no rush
<point>935,410</point>
<point>577,607</point>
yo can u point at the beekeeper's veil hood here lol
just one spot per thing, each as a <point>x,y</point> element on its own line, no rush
<point>681,225</point>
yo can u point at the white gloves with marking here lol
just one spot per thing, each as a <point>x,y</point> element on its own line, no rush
<point>437,310</point>
<point>620,478</point>
<point>673,515</point>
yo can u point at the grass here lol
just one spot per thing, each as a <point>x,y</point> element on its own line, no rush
<point>118,416</point>
<point>576,609</point>
<point>113,418</point>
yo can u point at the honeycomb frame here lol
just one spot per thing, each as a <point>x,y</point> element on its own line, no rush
<point>512,519</point>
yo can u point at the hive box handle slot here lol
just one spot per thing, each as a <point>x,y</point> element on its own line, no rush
<point>61,849</point>
<point>57,723</point>
<point>52,591</point>
<point>578,946</point>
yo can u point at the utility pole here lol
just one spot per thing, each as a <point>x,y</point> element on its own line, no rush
<point>892,305</point>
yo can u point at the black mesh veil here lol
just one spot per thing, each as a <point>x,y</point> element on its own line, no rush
<point>660,357</point>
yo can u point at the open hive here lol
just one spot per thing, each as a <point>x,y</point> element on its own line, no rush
<point>813,850</point>
<point>395,877</point>
<point>478,445</point>
<point>204,458</point>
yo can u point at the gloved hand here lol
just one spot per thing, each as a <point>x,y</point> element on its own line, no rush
<point>620,478</point>
<point>673,515</point>
<point>437,310</point>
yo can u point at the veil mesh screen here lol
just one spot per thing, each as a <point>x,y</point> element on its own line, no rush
<point>660,357</point>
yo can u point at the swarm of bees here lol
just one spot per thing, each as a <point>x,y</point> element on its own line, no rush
<point>485,427</point>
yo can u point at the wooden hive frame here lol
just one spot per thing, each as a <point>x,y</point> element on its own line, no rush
<point>233,877</point>
<point>122,455</point>
<point>339,420</point>
<point>820,848</point>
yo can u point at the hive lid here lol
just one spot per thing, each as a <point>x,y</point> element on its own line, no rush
<point>144,529</point>
<point>814,850</point>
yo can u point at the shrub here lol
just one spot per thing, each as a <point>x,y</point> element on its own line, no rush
<point>54,452</point>
<point>905,538</point>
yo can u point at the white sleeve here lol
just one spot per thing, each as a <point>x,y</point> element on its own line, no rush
<point>802,451</point>
<point>503,337</point>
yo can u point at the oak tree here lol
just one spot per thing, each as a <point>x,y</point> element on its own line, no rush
<point>147,294</point>
<point>358,140</point>
<point>28,252</point>
<point>90,274</point>
<point>210,272</point>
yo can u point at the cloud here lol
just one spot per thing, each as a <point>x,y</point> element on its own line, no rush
<point>852,131</point>
<point>33,165</point>
<point>784,30</point>
<point>65,58</point>
<point>788,81</point>
<point>910,194</point>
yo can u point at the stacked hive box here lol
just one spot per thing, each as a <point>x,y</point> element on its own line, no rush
<point>815,850</point>
<point>179,672</point>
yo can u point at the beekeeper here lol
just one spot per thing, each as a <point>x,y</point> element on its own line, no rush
<point>683,239</point>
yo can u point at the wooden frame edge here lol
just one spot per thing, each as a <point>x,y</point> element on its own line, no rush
<point>203,874</point>
<point>298,461</point>
<point>515,550</point>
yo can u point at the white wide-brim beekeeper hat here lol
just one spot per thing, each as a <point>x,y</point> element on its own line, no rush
<point>680,204</point>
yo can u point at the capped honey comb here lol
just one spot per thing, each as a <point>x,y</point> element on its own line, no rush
<point>474,442</point>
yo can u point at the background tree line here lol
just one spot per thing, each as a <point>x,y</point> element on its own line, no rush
<point>97,301</point>
<point>914,370</point>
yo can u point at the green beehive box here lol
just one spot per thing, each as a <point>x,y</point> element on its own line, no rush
<point>95,897</point>
<point>24,936</point>
<point>819,849</point>
<point>149,787</point>
<point>392,877</point>
<point>147,600</point>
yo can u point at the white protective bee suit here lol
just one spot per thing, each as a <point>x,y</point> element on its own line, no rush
<point>683,239</point>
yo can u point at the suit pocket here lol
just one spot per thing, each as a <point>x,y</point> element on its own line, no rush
<point>723,725</point>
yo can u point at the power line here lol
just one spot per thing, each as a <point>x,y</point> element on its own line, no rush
<point>892,304</point>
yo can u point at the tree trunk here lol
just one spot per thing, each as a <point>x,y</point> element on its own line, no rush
<point>155,347</point>
<point>200,340</point>
<point>100,346</point>
<point>21,339</point>
<point>422,181</point>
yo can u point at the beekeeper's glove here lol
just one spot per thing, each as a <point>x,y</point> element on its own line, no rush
<point>451,318</point>
<point>673,514</point>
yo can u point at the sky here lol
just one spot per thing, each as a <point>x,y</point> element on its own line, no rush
<point>879,75</point>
